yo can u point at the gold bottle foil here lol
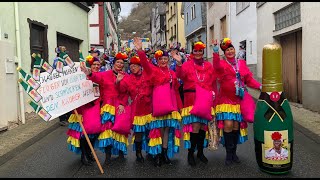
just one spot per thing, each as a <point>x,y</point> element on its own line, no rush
<point>272,68</point>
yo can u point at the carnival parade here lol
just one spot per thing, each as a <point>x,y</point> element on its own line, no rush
<point>171,89</point>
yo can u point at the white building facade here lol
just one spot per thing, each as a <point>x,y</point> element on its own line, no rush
<point>295,26</point>
<point>217,24</point>
<point>29,27</point>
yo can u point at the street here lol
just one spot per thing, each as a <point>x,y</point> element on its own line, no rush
<point>50,158</point>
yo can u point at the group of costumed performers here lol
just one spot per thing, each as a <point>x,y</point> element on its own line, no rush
<point>159,135</point>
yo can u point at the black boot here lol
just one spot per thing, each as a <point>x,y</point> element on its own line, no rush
<point>138,151</point>
<point>121,155</point>
<point>235,158</point>
<point>193,140</point>
<point>164,156</point>
<point>84,153</point>
<point>90,155</point>
<point>108,155</point>
<point>157,160</point>
<point>200,155</point>
<point>149,157</point>
<point>228,143</point>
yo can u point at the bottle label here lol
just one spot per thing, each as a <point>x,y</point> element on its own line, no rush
<point>44,114</point>
<point>59,67</point>
<point>36,74</point>
<point>33,83</point>
<point>83,63</point>
<point>35,95</point>
<point>276,148</point>
<point>96,91</point>
<point>69,62</point>
<point>46,66</point>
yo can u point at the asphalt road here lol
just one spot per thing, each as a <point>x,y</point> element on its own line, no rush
<point>50,158</point>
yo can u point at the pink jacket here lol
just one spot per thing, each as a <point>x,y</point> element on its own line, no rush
<point>227,78</point>
<point>109,92</point>
<point>160,76</point>
<point>192,74</point>
<point>139,88</point>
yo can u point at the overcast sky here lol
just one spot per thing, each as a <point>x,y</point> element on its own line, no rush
<point>126,8</point>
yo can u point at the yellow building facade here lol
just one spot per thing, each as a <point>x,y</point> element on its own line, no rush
<point>174,25</point>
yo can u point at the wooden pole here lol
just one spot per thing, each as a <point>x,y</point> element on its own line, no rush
<point>88,140</point>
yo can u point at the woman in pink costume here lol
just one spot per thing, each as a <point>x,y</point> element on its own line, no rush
<point>164,130</point>
<point>90,114</point>
<point>139,88</point>
<point>233,75</point>
<point>195,71</point>
<point>110,142</point>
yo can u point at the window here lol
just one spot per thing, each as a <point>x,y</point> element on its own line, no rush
<point>174,8</point>
<point>287,16</point>
<point>260,4</point>
<point>38,40</point>
<point>187,18</point>
<point>193,12</point>
<point>171,31</point>
<point>242,6</point>
<point>171,10</point>
<point>72,45</point>
<point>223,27</point>
<point>211,33</point>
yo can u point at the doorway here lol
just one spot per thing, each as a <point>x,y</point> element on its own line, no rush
<point>292,65</point>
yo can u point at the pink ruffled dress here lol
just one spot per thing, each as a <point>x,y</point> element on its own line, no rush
<point>110,99</point>
<point>228,105</point>
<point>90,116</point>
<point>193,74</point>
<point>160,76</point>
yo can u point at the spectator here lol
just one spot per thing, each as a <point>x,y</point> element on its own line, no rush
<point>94,52</point>
<point>242,52</point>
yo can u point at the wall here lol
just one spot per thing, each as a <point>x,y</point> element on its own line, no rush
<point>216,12</point>
<point>310,39</point>
<point>180,27</point>
<point>243,26</point>
<point>8,83</point>
<point>63,17</point>
<point>9,110</point>
<point>193,24</point>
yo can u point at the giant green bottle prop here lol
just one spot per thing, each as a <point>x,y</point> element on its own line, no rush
<point>273,122</point>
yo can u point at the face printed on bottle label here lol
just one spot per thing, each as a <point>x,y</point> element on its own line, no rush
<point>96,91</point>
<point>69,62</point>
<point>44,114</point>
<point>47,67</point>
<point>36,74</point>
<point>33,83</point>
<point>59,66</point>
<point>35,95</point>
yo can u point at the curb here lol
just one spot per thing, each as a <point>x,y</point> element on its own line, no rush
<point>14,152</point>
<point>314,137</point>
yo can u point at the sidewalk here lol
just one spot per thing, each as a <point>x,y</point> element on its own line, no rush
<point>14,141</point>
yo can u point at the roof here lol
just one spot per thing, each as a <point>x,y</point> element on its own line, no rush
<point>82,5</point>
